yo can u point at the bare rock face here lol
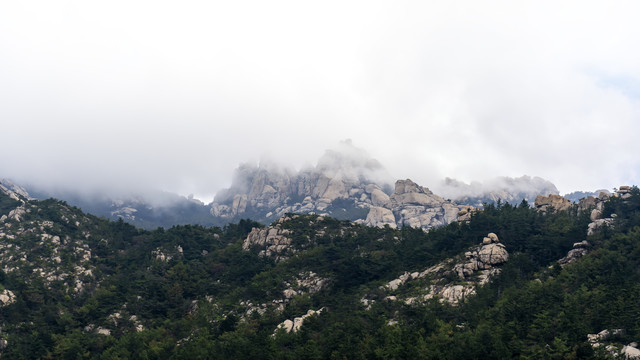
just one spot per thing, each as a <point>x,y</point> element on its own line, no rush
<point>598,224</point>
<point>456,293</point>
<point>416,206</point>
<point>379,198</point>
<point>7,298</point>
<point>270,193</point>
<point>409,193</point>
<point>379,216</point>
<point>267,192</point>
<point>272,241</point>
<point>557,202</point>
<point>346,182</point>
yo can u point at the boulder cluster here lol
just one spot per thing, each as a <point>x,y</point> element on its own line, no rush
<point>480,264</point>
<point>7,298</point>
<point>308,282</point>
<point>295,324</point>
<point>465,213</point>
<point>579,250</point>
<point>273,241</point>
<point>593,204</point>
<point>596,207</point>
<point>484,258</point>
<point>602,340</point>
<point>624,191</point>
<point>552,201</point>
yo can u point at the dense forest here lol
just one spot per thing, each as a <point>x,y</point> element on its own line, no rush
<point>84,287</point>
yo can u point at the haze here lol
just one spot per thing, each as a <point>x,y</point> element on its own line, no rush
<point>175,95</point>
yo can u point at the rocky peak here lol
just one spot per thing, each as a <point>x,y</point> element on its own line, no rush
<point>346,180</point>
<point>407,186</point>
<point>417,206</point>
<point>337,188</point>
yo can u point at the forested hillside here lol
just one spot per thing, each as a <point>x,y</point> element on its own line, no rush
<point>76,286</point>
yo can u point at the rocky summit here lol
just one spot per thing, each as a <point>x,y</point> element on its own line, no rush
<point>346,183</point>
<point>339,186</point>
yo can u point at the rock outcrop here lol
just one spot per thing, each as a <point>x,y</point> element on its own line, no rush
<point>465,213</point>
<point>272,241</point>
<point>603,340</point>
<point>416,206</point>
<point>599,224</point>
<point>595,205</point>
<point>480,264</point>
<point>483,258</point>
<point>13,190</point>
<point>7,298</point>
<point>552,201</point>
<point>624,191</point>
<point>380,217</point>
<point>308,282</point>
<point>579,250</point>
<point>295,324</point>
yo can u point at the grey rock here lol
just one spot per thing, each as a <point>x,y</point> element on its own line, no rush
<point>598,224</point>
<point>272,241</point>
<point>7,297</point>
<point>379,216</point>
<point>557,202</point>
<point>295,324</point>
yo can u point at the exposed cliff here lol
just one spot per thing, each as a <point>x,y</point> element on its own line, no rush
<point>342,185</point>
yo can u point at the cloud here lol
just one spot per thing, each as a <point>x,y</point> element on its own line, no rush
<point>175,96</point>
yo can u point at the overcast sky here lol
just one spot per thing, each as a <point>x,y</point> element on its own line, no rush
<point>175,94</point>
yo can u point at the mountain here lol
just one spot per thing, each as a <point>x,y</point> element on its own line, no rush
<point>331,189</point>
<point>147,209</point>
<point>512,281</point>
<point>346,183</point>
<point>504,189</point>
<point>578,195</point>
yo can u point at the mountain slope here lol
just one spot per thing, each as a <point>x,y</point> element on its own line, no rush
<point>74,286</point>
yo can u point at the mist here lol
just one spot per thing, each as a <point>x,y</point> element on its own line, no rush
<point>126,97</point>
<point>502,188</point>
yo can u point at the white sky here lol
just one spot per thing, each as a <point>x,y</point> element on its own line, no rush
<point>175,94</point>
